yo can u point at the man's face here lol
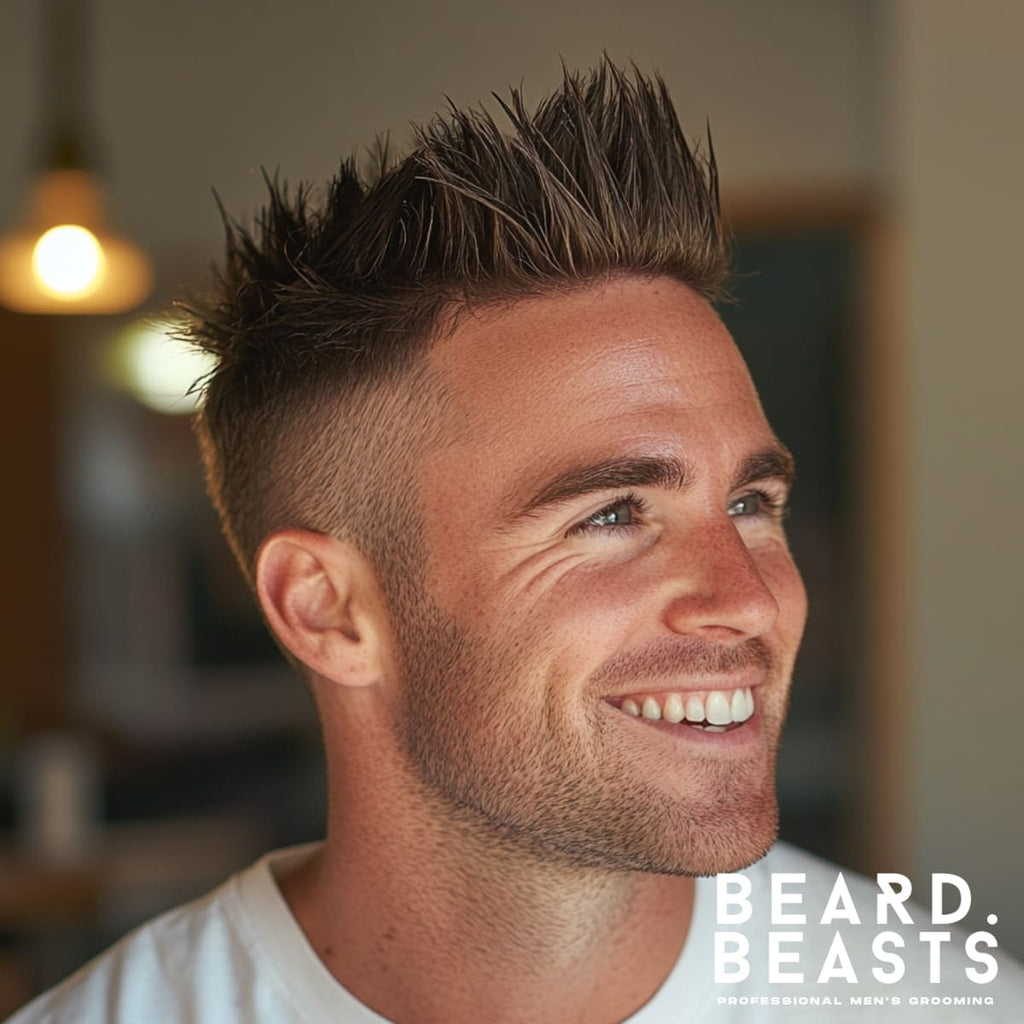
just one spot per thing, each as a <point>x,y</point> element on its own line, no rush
<point>603,537</point>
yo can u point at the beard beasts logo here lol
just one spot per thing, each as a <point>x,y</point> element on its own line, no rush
<point>840,938</point>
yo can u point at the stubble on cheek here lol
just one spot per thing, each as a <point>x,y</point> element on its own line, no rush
<point>536,766</point>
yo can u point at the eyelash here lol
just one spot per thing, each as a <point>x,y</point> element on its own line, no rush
<point>772,508</point>
<point>637,508</point>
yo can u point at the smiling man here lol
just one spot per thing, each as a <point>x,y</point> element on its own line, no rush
<point>505,492</point>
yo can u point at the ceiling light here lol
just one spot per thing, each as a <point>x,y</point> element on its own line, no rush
<point>64,257</point>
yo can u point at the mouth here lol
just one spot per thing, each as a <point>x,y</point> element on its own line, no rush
<point>711,711</point>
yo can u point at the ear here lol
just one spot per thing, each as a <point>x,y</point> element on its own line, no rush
<point>322,599</point>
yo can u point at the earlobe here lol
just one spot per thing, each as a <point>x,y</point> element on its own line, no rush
<point>320,597</point>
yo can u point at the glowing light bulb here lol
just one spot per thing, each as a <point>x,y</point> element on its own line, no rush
<point>68,262</point>
<point>79,266</point>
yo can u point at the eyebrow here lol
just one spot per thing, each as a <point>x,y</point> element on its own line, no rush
<point>774,463</point>
<point>667,472</point>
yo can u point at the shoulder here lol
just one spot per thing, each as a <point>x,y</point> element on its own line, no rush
<point>198,963</point>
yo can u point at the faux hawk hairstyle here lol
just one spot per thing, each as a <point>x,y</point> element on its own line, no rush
<point>320,311</point>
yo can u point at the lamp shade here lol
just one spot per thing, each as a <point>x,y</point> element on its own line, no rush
<point>64,259</point>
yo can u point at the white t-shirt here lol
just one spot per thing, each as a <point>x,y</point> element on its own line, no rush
<point>239,955</point>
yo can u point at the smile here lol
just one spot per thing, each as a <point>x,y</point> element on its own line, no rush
<point>712,711</point>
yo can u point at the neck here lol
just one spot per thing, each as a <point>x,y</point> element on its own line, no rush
<point>425,919</point>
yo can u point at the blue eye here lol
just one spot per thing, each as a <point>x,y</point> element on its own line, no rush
<point>615,515</point>
<point>620,514</point>
<point>758,503</point>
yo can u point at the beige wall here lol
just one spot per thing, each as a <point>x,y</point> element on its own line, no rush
<point>957,83</point>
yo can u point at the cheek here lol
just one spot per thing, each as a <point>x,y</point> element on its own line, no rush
<point>551,638</point>
<point>590,613</point>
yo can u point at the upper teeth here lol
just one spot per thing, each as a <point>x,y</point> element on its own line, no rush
<point>716,707</point>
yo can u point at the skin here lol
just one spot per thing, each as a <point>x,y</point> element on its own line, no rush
<point>504,842</point>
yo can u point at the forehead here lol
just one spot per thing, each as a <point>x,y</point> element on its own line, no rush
<point>632,362</point>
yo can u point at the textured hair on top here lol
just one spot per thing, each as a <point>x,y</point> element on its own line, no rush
<point>320,307</point>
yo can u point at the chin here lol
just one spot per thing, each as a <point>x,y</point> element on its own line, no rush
<point>728,836</point>
<point>672,838</point>
<point>731,854</point>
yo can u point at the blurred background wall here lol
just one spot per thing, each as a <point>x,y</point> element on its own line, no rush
<point>894,124</point>
<point>957,82</point>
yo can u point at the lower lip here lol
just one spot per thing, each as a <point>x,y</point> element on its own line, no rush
<point>738,735</point>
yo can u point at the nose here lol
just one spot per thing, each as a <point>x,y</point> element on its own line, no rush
<point>717,590</point>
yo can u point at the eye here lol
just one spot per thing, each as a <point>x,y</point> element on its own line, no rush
<point>758,504</point>
<point>620,514</point>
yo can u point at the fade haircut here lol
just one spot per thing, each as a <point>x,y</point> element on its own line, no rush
<point>322,311</point>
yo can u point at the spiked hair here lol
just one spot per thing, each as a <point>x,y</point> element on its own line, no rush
<point>319,311</point>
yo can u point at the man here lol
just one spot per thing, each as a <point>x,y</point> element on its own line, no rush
<point>504,490</point>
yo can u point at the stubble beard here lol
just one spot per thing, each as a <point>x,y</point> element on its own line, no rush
<point>530,782</point>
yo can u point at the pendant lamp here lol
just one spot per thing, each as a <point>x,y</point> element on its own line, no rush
<point>64,257</point>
